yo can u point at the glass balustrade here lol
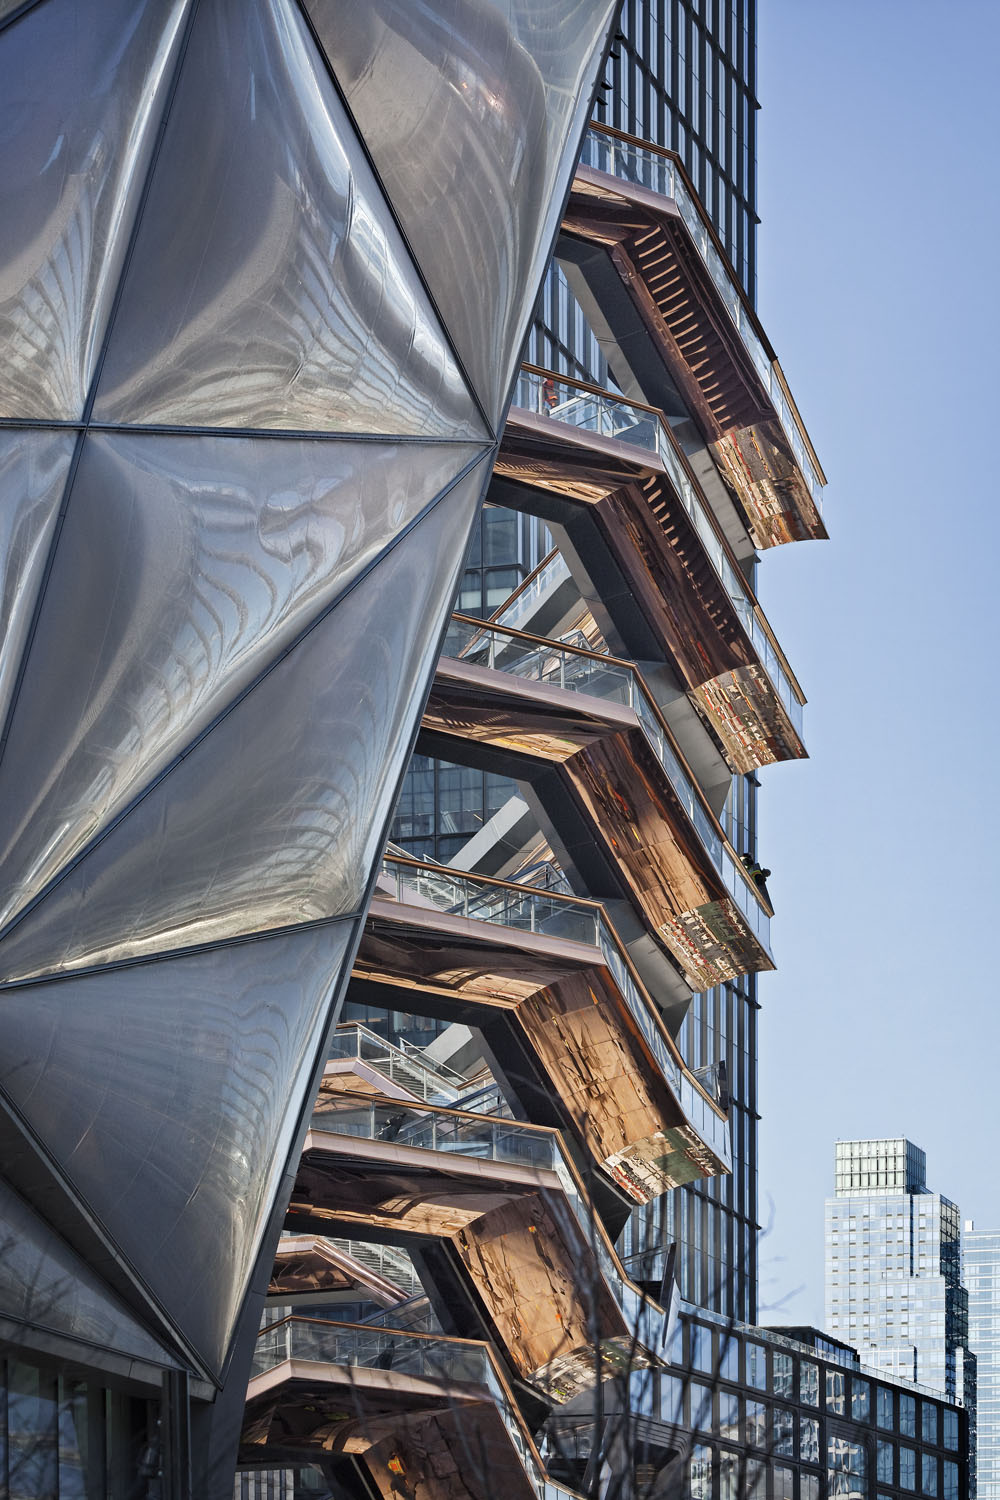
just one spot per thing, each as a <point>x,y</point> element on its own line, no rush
<point>529,910</point>
<point>475,1135</point>
<point>450,1361</point>
<point>409,1068</point>
<point>634,163</point>
<point>530,384</point>
<point>544,581</point>
<point>562,666</point>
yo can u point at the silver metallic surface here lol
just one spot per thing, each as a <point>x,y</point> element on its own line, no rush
<point>185,567</point>
<point>270,288</point>
<point>44,1282</point>
<point>168,1094</point>
<point>83,91</point>
<point>472,110</point>
<point>33,470</point>
<point>277,815</point>
<point>192,225</point>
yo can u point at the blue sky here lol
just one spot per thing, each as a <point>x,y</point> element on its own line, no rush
<point>879,285</point>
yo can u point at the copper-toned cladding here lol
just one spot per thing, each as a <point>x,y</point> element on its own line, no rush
<point>673,291</point>
<point>605,761</point>
<point>645,527</point>
<point>563,1000</point>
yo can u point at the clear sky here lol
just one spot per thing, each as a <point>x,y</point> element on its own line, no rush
<point>879,286</point>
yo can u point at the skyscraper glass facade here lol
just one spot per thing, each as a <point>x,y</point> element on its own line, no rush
<point>982,1279</point>
<point>893,1267</point>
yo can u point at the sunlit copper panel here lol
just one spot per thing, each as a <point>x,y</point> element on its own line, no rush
<point>651,537</point>
<point>526,1253</point>
<point>602,755</point>
<point>563,1000</point>
<point>673,291</point>
<point>445,1437</point>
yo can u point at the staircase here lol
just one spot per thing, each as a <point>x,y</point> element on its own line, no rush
<point>671,284</point>
<point>386,1261</point>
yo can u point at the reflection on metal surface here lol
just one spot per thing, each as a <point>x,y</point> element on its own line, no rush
<point>436,1411</point>
<point>588,1024</point>
<point>209,733</point>
<point>167,1093</point>
<point>74,154</point>
<point>661,171</point>
<point>315,750</point>
<point>43,1281</point>
<point>131,662</point>
<point>589,718</point>
<point>551,914</point>
<point>33,470</point>
<point>506,1196</point>
<point>655,239</point>
<point>675,500</point>
<point>472,111</point>
<point>271,288</point>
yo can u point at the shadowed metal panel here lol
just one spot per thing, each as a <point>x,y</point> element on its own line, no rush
<point>83,90</point>
<point>168,1094</point>
<point>186,565</point>
<point>473,113</point>
<point>33,470</point>
<point>269,286</point>
<point>277,815</point>
<point>44,1283</point>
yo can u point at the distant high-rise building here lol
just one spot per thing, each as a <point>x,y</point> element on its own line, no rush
<point>893,1267</point>
<point>982,1278</point>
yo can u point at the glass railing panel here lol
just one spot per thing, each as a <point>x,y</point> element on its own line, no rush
<point>607,415</point>
<point>648,169</point>
<point>544,582</point>
<point>553,665</point>
<point>445,1360</point>
<point>562,917</point>
<point>591,675</point>
<point>656,439</point>
<point>480,1136</point>
<point>526,909</point>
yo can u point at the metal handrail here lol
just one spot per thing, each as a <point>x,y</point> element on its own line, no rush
<point>599,143</point>
<point>750,899</point>
<point>692,1096</point>
<point>681,476</point>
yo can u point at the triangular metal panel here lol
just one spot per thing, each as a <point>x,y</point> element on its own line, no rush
<point>473,114</point>
<point>168,1093</point>
<point>33,470</point>
<point>46,1285</point>
<point>185,566</point>
<point>269,286</point>
<point>277,815</point>
<point>83,91</point>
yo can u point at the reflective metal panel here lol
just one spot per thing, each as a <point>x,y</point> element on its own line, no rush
<point>473,113</point>
<point>33,469</point>
<point>269,286</point>
<point>167,1093</point>
<point>277,815</point>
<point>186,565</point>
<point>45,1284</point>
<point>83,90</point>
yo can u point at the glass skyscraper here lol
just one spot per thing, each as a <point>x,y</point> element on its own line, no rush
<point>982,1279</point>
<point>893,1268</point>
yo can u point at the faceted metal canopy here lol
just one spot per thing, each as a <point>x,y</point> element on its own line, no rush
<point>256,332</point>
